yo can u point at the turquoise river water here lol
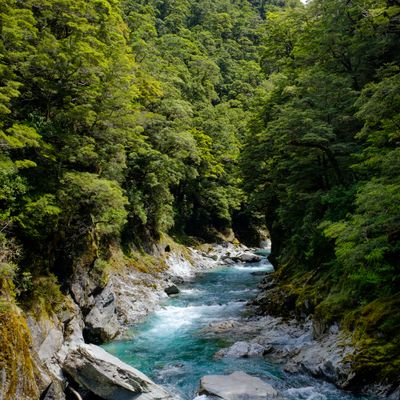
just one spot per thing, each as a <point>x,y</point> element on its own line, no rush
<point>171,348</point>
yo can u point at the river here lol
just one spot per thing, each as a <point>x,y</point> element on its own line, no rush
<point>172,349</point>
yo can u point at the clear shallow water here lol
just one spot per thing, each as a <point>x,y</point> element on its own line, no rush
<point>171,348</point>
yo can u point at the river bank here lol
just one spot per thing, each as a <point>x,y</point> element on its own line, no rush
<point>100,306</point>
<point>297,345</point>
<point>213,320</point>
<point>211,328</point>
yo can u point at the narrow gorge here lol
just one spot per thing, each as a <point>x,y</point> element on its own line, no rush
<point>199,199</point>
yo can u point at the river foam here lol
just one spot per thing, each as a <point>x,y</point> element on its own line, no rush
<point>174,318</point>
<point>172,348</point>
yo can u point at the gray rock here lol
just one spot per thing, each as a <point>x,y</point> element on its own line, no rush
<point>290,343</point>
<point>178,280</point>
<point>51,344</point>
<point>237,386</point>
<point>325,359</point>
<point>52,392</point>
<point>220,327</point>
<point>108,377</point>
<point>247,258</point>
<point>171,290</point>
<point>47,335</point>
<point>242,350</point>
<point>334,329</point>
<point>101,324</point>
<point>250,258</point>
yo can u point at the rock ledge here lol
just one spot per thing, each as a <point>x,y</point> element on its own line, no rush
<point>108,377</point>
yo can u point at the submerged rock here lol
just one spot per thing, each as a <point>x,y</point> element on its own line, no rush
<point>237,386</point>
<point>108,377</point>
<point>171,290</point>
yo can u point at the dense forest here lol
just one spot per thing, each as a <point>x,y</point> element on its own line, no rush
<point>321,163</point>
<point>119,122</point>
<point>124,120</point>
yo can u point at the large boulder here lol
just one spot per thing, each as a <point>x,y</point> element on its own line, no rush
<point>171,290</point>
<point>108,377</point>
<point>237,386</point>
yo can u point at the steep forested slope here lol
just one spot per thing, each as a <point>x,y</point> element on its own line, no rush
<point>124,120</point>
<point>120,119</point>
<point>322,163</point>
<point>204,57</point>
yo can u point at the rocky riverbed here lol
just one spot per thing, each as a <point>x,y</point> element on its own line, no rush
<point>289,343</point>
<point>242,341</point>
<point>97,311</point>
<point>207,333</point>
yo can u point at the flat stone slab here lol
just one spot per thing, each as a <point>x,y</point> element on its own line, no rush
<point>110,378</point>
<point>237,386</point>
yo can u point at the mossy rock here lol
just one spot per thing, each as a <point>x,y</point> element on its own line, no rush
<point>373,327</point>
<point>146,263</point>
<point>16,364</point>
<point>376,336</point>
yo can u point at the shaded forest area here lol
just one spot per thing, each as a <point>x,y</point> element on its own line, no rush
<point>121,121</point>
<point>321,162</point>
